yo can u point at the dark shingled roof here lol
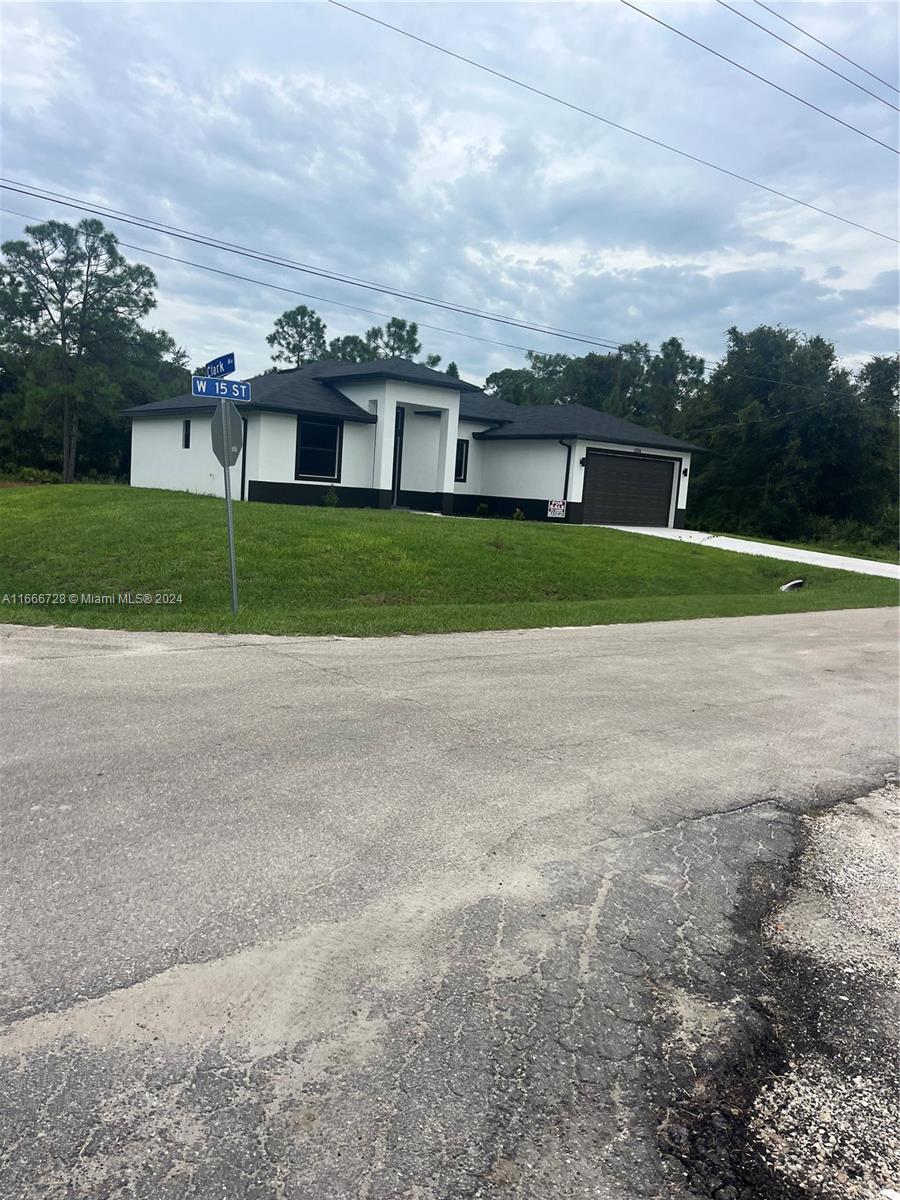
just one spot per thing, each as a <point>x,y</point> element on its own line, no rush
<point>578,421</point>
<point>479,406</point>
<point>282,391</point>
<point>314,388</point>
<point>385,368</point>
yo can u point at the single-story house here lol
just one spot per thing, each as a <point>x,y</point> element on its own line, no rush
<point>393,433</point>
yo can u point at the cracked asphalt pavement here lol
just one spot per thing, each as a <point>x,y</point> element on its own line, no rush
<point>421,918</point>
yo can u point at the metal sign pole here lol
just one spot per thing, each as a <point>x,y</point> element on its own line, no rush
<point>227,435</point>
<point>231,556</point>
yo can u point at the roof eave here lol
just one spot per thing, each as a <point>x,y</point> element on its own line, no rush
<point>364,418</point>
<point>509,435</point>
<point>452,385</point>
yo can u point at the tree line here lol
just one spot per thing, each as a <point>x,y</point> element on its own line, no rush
<point>796,445</point>
<point>300,336</point>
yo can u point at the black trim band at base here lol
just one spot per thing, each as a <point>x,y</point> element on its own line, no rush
<point>504,506</point>
<point>680,518</point>
<point>314,493</point>
<point>449,503</point>
<point>442,502</point>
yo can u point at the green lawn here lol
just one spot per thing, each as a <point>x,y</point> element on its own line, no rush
<point>362,572</point>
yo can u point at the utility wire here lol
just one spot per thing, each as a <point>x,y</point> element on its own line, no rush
<point>440,329</point>
<point>846,78</point>
<point>336,276</point>
<point>245,252</point>
<point>819,42</point>
<point>759,420</point>
<point>454,333</point>
<point>290,291</point>
<point>585,112</point>
<point>762,78</point>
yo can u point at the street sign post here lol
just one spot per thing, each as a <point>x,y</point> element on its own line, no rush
<point>227,433</point>
<point>227,443</point>
<point>220,366</point>
<point>219,389</point>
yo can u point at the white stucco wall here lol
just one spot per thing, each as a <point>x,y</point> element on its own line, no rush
<point>428,464</point>
<point>421,435</point>
<point>424,467</point>
<point>274,447</point>
<point>272,450</point>
<point>158,459</point>
<point>473,485</point>
<point>532,470</point>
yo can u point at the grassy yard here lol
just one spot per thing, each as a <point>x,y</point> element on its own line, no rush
<point>362,572</point>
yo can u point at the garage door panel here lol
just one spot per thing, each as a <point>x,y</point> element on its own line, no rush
<point>621,490</point>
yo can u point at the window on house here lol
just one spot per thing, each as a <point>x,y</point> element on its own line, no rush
<point>185,435</point>
<point>462,460</point>
<point>318,449</point>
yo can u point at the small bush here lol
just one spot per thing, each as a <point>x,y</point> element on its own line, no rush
<point>33,475</point>
<point>518,515</point>
<point>330,498</point>
<point>497,543</point>
<point>481,510</point>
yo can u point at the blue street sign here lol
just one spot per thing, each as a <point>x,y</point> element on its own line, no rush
<point>219,389</point>
<point>220,366</point>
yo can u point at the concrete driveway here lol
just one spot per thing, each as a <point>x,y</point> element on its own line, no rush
<point>815,558</point>
<point>431,917</point>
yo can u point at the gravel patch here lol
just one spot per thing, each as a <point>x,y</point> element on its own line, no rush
<point>783,1078</point>
<point>830,1122</point>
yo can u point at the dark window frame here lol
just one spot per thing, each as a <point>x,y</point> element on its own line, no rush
<point>186,434</point>
<point>337,425</point>
<point>460,477</point>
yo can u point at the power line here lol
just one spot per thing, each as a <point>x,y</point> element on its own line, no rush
<point>762,78</point>
<point>585,112</point>
<point>306,269</point>
<point>760,420</point>
<point>336,276</point>
<point>819,42</point>
<point>455,333</point>
<point>737,12</point>
<point>290,291</point>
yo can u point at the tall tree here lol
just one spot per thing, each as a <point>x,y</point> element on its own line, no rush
<point>298,337</point>
<point>514,385</point>
<point>672,378</point>
<point>397,339</point>
<point>350,348</point>
<point>68,300</point>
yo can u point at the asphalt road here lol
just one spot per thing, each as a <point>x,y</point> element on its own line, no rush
<point>408,917</point>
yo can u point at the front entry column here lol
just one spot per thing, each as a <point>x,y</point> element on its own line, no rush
<point>446,457</point>
<point>383,465</point>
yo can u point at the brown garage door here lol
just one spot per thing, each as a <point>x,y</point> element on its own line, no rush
<point>627,490</point>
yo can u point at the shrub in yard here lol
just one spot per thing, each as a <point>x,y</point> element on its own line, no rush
<point>33,475</point>
<point>330,498</point>
<point>518,515</point>
<point>481,510</point>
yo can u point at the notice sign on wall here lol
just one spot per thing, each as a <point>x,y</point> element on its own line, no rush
<point>556,508</point>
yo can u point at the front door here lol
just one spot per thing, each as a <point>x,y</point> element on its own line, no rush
<point>398,456</point>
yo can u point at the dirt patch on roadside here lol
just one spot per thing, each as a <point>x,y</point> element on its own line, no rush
<point>783,1083</point>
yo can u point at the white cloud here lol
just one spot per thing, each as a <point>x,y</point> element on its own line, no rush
<point>308,133</point>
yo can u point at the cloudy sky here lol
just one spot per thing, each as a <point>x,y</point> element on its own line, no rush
<point>304,131</point>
